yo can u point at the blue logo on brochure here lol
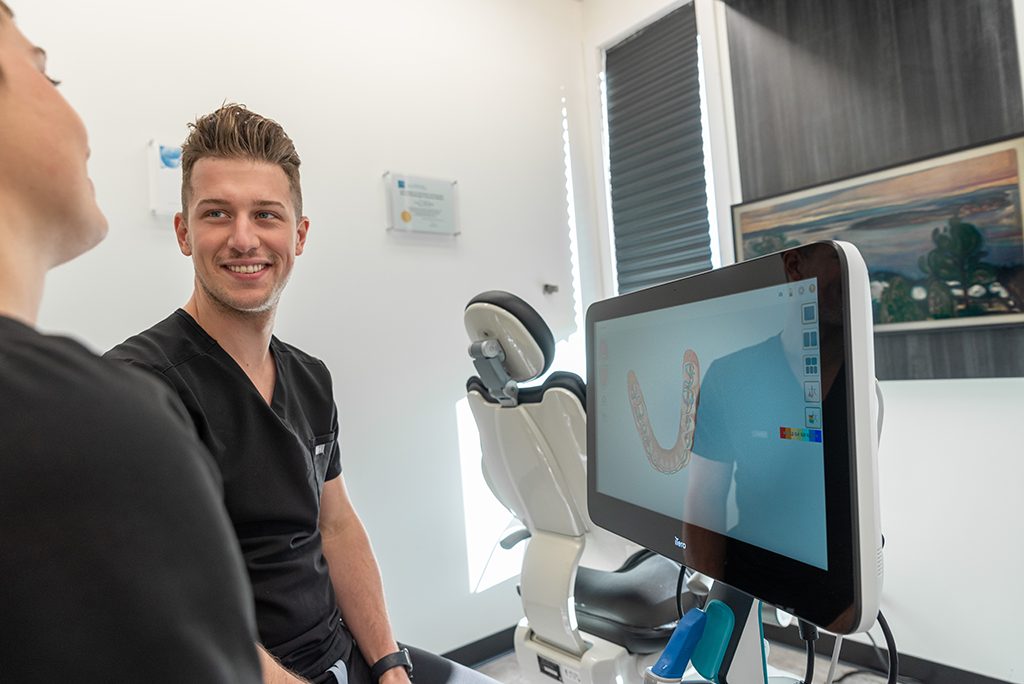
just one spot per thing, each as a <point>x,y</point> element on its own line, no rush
<point>401,184</point>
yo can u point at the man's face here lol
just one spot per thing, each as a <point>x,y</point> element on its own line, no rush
<point>241,232</point>
<point>43,152</point>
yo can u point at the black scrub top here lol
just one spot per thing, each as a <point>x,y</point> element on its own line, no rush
<point>274,460</point>
<point>117,561</point>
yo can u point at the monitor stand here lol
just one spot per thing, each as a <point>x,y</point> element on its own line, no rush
<point>735,648</point>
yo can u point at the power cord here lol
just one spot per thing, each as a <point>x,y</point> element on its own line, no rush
<point>890,645</point>
<point>809,633</point>
<point>891,665</point>
<point>679,590</point>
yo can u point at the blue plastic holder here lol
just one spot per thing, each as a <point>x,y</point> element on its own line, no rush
<point>676,656</point>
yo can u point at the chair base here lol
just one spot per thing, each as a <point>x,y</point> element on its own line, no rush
<point>602,663</point>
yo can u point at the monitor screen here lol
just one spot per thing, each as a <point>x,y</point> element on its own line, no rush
<point>728,418</point>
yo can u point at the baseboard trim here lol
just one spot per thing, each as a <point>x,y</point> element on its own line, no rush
<point>862,655</point>
<point>483,650</point>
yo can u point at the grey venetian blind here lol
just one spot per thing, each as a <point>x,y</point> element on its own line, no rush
<point>656,158</point>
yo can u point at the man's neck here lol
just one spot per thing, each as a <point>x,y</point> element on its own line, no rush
<point>245,337</point>
<point>22,276</point>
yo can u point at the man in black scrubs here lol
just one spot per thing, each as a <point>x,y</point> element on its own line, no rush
<point>266,411</point>
<point>117,559</point>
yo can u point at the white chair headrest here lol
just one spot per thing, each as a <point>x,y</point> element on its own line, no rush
<point>527,340</point>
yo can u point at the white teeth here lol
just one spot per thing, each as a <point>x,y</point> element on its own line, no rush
<point>247,269</point>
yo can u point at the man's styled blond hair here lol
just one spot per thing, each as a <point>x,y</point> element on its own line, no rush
<point>234,132</point>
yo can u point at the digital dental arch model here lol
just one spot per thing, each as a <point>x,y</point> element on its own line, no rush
<point>672,460</point>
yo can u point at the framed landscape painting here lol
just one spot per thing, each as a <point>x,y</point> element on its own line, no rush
<point>942,237</point>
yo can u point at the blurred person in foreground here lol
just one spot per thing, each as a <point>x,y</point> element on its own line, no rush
<point>117,559</point>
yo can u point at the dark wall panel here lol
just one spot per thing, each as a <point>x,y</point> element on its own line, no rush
<point>831,89</point>
<point>826,90</point>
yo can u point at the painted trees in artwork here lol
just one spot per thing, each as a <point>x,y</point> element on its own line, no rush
<point>897,305</point>
<point>957,257</point>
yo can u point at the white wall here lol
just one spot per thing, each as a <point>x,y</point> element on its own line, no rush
<point>951,463</point>
<point>456,89</point>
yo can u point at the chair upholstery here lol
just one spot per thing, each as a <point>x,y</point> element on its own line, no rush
<point>533,441</point>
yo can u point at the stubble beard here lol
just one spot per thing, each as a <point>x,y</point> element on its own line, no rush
<point>227,305</point>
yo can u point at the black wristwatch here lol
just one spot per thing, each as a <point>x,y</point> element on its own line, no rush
<point>398,658</point>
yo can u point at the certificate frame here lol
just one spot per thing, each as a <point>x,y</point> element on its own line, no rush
<point>418,204</point>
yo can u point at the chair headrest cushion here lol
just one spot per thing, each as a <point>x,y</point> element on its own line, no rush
<point>527,340</point>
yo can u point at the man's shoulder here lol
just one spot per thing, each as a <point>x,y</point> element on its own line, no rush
<point>291,353</point>
<point>63,364</point>
<point>304,373</point>
<point>169,343</point>
<point>55,377</point>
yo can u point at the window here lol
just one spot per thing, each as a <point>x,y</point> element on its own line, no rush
<point>656,154</point>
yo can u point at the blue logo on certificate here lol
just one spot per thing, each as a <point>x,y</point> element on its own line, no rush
<point>401,184</point>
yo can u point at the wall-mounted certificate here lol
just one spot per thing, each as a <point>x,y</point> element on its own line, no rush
<point>420,205</point>
<point>164,178</point>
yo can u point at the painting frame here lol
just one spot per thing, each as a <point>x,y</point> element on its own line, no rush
<point>918,226</point>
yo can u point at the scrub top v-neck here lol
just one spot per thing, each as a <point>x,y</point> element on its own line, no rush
<point>274,459</point>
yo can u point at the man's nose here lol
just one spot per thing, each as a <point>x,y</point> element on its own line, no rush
<point>243,235</point>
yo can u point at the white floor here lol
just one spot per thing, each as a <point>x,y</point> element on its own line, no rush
<point>506,670</point>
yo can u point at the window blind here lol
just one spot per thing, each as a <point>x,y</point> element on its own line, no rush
<point>656,157</point>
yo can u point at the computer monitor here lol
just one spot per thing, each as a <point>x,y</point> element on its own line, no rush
<point>731,428</point>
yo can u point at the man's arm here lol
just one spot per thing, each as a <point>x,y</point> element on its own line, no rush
<point>274,672</point>
<point>356,578</point>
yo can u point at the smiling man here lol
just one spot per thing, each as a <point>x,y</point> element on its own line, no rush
<point>266,411</point>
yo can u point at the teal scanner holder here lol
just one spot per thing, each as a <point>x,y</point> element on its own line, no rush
<point>731,649</point>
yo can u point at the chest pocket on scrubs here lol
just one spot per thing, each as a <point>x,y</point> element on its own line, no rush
<point>320,449</point>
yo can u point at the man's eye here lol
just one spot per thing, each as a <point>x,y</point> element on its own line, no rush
<point>216,213</point>
<point>264,215</point>
<point>54,81</point>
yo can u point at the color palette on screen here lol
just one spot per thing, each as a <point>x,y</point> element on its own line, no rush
<point>800,434</point>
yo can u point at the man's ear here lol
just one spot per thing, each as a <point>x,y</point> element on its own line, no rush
<point>302,229</point>
<point>181,231</point>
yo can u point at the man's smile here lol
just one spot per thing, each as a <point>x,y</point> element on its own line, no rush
<point>252,268</point>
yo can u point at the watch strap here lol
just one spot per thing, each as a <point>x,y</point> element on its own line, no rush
<point>396,659</point>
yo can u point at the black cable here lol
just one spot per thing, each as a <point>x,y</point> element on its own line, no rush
<point>893,664</point>
<point>809,670</point>
<point>679,590</point>
<point>809,633</point>
<point>890,644</point>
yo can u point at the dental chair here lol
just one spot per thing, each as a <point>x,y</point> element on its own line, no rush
<point>598,608</point>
